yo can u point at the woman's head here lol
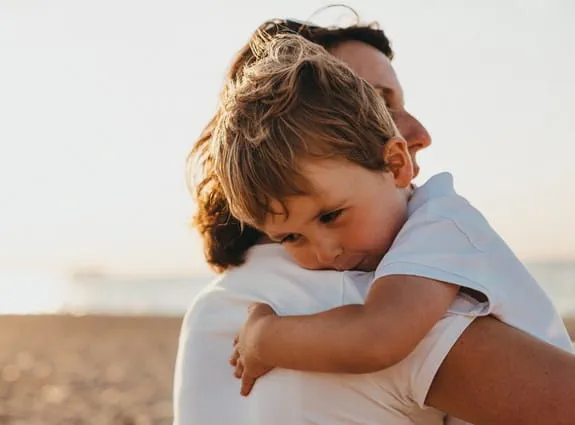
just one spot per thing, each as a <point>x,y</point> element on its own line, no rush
<point>225,241</point>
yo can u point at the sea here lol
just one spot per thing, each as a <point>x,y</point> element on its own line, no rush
<point>97,293</point>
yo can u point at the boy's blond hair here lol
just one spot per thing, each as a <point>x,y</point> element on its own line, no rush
<point>296,101</point>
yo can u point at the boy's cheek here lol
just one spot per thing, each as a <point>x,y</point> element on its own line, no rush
<point>304,258</point>
<point>361,239</point>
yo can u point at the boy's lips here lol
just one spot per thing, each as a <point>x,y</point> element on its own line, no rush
<point>348,265</point>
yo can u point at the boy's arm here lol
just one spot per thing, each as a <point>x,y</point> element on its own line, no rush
<point>399,311</point>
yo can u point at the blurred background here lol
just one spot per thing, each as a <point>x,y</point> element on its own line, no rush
<point>99,105</point>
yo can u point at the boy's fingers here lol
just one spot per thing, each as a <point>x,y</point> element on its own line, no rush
<point>247,385</point>
<point>235,357</point>
<point>239,371</point>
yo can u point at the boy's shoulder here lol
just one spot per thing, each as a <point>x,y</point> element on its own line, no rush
<point>445,238</point>
<point>437,202</point>
<point>437,195</point>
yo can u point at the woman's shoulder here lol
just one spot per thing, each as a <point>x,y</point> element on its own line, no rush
<point>239,286</point>
<point>268,261</point>
<point>269,275</point>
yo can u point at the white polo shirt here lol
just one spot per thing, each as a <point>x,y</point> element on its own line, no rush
<point>206,393</point>
<point>446,238</point>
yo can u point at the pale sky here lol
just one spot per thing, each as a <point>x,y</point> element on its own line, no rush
<point>100,102</point>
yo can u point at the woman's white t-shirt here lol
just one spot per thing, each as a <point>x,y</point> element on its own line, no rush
<point>206,393</point>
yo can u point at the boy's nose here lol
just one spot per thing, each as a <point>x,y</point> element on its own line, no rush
<point>327,254</point>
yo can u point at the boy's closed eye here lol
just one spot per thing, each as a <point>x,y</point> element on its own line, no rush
<point>326,218</point>
<point>291,238</point>
<point>330,217</point>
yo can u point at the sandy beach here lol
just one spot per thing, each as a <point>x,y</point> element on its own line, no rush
<point>96,370</point>
<point>57,370</point>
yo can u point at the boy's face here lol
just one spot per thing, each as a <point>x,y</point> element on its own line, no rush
<point>352,217</point>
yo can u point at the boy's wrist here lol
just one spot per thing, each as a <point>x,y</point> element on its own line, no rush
<point>263,334</point>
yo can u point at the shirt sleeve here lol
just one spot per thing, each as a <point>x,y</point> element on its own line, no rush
<point>442,249</point>
<point>414,375</point>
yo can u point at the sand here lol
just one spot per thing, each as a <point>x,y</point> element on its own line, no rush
<point>57,370</point>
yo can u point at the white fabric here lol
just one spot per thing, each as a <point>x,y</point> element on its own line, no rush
<point>447,239</point>
<point>206,393</point>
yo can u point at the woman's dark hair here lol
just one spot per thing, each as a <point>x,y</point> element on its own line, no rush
<point>226,241</point>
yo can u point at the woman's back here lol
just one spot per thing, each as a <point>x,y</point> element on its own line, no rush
<point>207,393</point>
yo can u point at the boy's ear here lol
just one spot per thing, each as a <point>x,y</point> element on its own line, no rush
<point>398,160</point>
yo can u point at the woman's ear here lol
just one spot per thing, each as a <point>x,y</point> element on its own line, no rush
<point>398,160</point>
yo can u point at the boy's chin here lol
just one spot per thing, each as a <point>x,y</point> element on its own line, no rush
<point>368,264</point>
<point>363,263</point>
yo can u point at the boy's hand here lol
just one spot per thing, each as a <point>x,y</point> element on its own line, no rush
<point>248,366</point>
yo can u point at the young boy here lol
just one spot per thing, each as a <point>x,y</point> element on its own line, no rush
<point>307,152</point>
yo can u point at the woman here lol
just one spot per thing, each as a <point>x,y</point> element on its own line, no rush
<point>526,382</point>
